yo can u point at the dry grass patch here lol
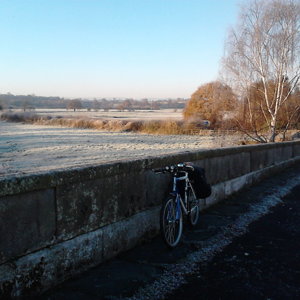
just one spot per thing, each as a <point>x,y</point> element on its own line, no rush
<point>168,127</point>
<point>110,125</point>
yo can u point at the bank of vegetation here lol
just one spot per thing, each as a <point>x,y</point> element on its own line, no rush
<point>172,127</point>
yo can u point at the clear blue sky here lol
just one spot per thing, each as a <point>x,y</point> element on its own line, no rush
<point>112,48</point>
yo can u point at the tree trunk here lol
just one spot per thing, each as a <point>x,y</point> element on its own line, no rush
<point>272,130</point>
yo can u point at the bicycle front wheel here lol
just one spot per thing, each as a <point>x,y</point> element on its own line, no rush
<point>171,222</point>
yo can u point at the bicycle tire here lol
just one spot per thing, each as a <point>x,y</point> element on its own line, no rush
<point>170,226</point>
<point>193,216</point>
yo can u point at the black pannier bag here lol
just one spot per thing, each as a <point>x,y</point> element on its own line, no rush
<point>198,179</point>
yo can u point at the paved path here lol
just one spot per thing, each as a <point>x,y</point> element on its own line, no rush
<point>262,264</point>
<point>247,247</point>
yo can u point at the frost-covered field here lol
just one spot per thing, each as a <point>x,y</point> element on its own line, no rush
<point>163,114</point>
<point>34,148</point>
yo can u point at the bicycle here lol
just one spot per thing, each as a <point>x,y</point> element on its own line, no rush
<point>181,200</point>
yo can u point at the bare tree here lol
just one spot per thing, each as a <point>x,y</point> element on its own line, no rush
<point>25,105</point>
<point>74,104</point>
<point>263,52</point>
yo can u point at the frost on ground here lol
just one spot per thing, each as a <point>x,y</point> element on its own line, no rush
<point>162,114</point>
<point>34,148</point>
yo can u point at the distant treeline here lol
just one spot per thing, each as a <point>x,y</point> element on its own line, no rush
<point>31,102</point>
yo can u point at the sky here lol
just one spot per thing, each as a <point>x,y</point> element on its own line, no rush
<point>112,48</point>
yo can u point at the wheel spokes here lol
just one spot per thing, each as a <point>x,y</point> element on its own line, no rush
<point>171,224</point>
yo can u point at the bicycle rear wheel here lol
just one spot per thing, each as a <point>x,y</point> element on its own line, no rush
<point>194,209</point>
<point>171,222</point>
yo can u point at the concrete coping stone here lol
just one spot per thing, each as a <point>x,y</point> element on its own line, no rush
<point>15,184</point>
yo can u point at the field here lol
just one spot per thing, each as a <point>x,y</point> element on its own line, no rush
<point>31,148</point>
<point>163,114</point>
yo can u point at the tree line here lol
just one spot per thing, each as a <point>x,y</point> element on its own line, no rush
<point>31,102</point>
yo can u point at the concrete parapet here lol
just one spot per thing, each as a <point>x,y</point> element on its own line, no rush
<point>27,223</point>
<point>56,224</point>
<point>296,150</point>
<point>37,271</point>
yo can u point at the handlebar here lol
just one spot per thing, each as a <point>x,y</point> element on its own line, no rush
<point>174,168</point>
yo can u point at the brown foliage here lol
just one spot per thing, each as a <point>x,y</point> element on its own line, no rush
<point>213,102</point>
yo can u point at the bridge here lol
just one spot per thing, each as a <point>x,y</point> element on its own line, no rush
<point>56,225</point>
<point>246,247</point>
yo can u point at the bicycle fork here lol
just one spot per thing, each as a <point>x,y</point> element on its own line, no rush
<point>179,207</point>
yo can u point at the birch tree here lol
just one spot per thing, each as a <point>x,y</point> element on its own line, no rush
<point>263,50</point>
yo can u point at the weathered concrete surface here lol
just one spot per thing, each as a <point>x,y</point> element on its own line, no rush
<point>66,205</point>
<point>223,168</point>
<point>34,273</point>
<point>27,222</point>
<point>124,235</point>
<point>99,202</point>
<point>296,150</point>
<point>267,157</point>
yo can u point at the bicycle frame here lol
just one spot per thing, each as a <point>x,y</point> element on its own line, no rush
<point>180,204</point>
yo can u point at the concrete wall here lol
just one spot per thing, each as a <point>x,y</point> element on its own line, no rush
<point>57,224</point>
